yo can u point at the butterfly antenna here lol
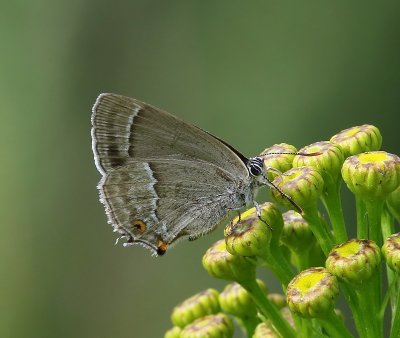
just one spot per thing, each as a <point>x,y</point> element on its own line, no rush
<point>287,197</point>
<point>292,153</point>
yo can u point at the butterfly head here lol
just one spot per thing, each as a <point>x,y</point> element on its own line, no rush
<point>255,165</point>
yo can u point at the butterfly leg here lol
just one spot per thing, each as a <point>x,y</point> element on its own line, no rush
<point>239,216</point>
<point>258,210</point>
<point>231,225</point>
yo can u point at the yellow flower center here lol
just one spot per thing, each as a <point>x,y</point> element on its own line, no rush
<point>293,175</point>
<point>313,149</point>
<point>372,157</point>
<point>352,132</point>
<point>348,249</point>
<point>247,213</point>
<point>221,246</point>
<point>307,281</point>
<point>201,323</point>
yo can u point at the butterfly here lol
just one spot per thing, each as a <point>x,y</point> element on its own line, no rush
<point>164,180</point>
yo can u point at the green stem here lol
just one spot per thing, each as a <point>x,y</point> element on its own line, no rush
<point>302,325</point>
<point>388,295</point>
<point>362,225</point>
<point>301,259</point>
<point>275,259</point>
<point>374,213</point>
<point>369,307</point>
<point>396,295</point>
<point>335,326</point>
<point>278,263</point>
<point>248,325</point>
<point>376,291</point>
<point>333,205</point>
<point>387,230</point>
<point>395,331</point>
<point>354,305</point>
<point>394,211</point>
<point>320,231</point>
<point>268,309</point>
<point>316,330</point>
<point>387,223</point>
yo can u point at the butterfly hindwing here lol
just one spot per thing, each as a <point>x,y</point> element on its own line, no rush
<point>159,201</point>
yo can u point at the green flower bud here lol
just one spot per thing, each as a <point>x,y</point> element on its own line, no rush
<point>393,203</point>
<point>251,236</point>
<point>303,184</point>
<point>372,176</point>
<point>391,251</point>
<point>236,301</point>
<point>212,326</point>
<point>278,299</point>
<point>296,233</point>
<point>354,261</point>
<point>202,304</point>
<point>312,293</point>
<point>220,264</point>
<point>264,330</point>
<point>175,332</point>
<point>358,139</point>
<point>277,157</point>
<point>328,163</point>
<point>287,315</point>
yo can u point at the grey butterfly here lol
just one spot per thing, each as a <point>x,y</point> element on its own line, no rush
<point>164,179</point>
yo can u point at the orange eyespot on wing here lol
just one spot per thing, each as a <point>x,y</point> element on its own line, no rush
<point>139,225</point>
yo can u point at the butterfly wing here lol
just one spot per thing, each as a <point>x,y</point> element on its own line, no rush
<point>163,179</point>
<point>125,129</point>
<point>158,201</point>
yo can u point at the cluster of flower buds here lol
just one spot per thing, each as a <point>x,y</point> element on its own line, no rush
<point>308,248</point>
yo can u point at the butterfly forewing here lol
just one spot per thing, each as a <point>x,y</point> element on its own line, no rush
<point>125,128</point>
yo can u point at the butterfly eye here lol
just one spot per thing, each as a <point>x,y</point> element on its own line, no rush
<point>255,166</point>
<point>139,225</point>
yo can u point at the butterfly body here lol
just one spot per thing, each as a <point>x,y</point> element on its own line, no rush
<point>164,179</point>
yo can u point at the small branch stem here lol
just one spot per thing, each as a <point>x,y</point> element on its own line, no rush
<point>278,263</point>
<point>362,226</point>
<point>268,309</point>
<point>319,229</point>
<point>369,308</point>
<point>248,325</point>
<point>395,331</point>
<point>353,302</point>
<point>374,215</point>
<point>335,326</point>
<point>333,205</point>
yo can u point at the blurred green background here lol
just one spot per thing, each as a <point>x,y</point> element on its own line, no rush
<point>254,73</point>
